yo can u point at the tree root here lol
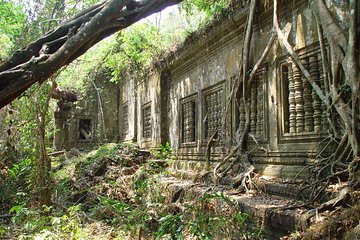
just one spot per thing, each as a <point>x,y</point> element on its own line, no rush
<point>238,173</point>
<point>340,198</point>
<point>213,139</point>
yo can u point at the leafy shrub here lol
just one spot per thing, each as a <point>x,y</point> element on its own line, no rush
<point>165,152</point>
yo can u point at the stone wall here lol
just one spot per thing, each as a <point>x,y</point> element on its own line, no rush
<point>93,119</point>
<point>128,111</point>
<point>186,101</point>
<point>287,117</point>
<point>144,102</point>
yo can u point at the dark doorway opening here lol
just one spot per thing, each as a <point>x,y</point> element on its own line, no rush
<point>85,129</point>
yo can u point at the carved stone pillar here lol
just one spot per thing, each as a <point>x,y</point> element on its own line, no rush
<point>242,115</point>
<point>292,104</point>
<point>214,111</point>
<point>147,126</point>
<point>260,106</point>
<point>189,122</point>
<point>253,108</point>
<point>308,108</point>
<point>324,121</point>
<point>299,101</point>
<point>314,71</point>
<point>209,115</point>
<point>125,125</point>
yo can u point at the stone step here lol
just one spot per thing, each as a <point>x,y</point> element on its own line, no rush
<point>293,189</point>
<point>277,216</point>
<point>289,189</point>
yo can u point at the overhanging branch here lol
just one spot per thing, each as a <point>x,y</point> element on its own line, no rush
<point>42,58</point>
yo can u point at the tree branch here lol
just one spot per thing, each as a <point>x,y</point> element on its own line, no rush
<point>295,56</point>
<point>42,58</point>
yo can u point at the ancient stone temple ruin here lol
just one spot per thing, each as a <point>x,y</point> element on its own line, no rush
<point>188,95</point>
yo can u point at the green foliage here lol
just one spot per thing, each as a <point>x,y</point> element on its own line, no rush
<point>25,132</point>
<point>143,207</point>
<point>120,208</point>
<point>45,224</point>
<point>202,221</point>
<point>16,186</point>
<point>165,152</point>
<point>172,226</point>
<point>211,8</point>
<point>134,49</point>
<point>3,231</point>
<point>12,23</point>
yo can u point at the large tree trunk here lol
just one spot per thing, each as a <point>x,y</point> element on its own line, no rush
<point>42,58</point>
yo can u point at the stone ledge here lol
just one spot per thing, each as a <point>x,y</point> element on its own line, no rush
<point>271,170</point>
<point>293,190</point>
<point>277,216</point>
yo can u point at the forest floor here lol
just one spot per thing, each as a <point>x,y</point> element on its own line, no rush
<point>114,192</point>
<point>118,192</point>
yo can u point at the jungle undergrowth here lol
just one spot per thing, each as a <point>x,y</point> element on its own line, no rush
<point>113,192</point>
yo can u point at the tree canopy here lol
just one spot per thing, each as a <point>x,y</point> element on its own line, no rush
<point>72,38</point>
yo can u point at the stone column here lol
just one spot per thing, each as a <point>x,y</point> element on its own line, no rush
<point>253,108</point>
<point>324,121</point>
<point>299,101</point>
<point>308,108</point>
<point>314,71</point>
<point>292,103</point>
<point>260,106</point>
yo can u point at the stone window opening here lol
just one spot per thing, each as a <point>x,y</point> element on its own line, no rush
<point>302,110</point>
<point>146,120</point>
<point>188,120</point>
<point>258,115</point>
<point>125,128</point>
<point>85,129</point>
<point>285,96</point>
<point>214,111</point>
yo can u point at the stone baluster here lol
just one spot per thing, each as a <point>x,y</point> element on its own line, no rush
<point>222,114</point>
<point>324,121</point>
<point>221,106</point>
<point>191,122</point>
<point>216,111</point>
<point>216,117</point>
<point>292,103</point>
<point>260,106</point>
<point>314,71</point>
<point>126,121</point>
<point>185,121</point>
<point>253,108</point>
<point>208,120</point>
<point>211,113</point>
<point>308,108</point>
<point>299,101</point>
<point>242,115</point>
